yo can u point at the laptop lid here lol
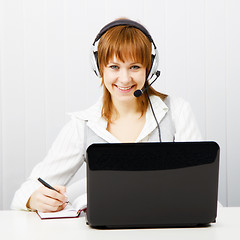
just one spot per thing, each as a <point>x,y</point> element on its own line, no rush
<point>152,184</point>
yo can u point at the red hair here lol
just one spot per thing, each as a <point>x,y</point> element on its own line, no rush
<point>125,42</point>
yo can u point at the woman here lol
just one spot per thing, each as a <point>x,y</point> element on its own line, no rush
<point>125,57</point>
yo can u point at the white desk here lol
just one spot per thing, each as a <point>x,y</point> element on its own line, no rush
<point>25,225</point>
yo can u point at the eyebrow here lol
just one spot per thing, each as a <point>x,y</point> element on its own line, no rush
<point>112,63</point>
<point>130,63</point>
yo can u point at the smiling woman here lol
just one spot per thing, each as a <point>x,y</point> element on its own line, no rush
<point>121,79</point>
<point>127,50</point>
<point>126,58</point>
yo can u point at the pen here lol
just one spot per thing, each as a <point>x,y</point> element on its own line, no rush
<point>48,186</point>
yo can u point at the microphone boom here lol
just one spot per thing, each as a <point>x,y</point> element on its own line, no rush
<point>139,92</point>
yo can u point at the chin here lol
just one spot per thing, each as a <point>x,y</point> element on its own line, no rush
<point>126,98</point>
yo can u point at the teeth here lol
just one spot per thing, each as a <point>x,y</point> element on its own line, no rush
<point>124,88</point>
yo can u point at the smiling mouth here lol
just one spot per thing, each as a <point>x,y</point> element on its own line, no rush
<point>124,88</point>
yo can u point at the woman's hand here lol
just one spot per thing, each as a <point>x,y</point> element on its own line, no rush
<point>48,200</point>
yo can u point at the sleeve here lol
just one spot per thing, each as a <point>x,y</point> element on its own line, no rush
<point>63,160</point>
<point>185,123</point>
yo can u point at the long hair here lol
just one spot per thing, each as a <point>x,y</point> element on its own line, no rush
<point>125,42</point>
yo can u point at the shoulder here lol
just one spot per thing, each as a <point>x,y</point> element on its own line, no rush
<point>177,105</point>
<point>184,120</point>
<point>76,124</point>
<point>91,113</point>
<point>175,102</point>
<point>180,108</point>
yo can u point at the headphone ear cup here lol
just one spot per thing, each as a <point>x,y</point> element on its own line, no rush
<point>94,63</point>
<point>151,72</point>
<point>154,65</point>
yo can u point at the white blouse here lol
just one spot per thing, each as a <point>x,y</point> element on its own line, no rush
<point>66,156</point>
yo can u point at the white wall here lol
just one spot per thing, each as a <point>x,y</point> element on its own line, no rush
<point>45,72</point>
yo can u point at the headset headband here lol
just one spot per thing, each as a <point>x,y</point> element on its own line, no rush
<point>124,22</point>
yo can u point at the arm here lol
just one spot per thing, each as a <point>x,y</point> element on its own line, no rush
<point>59,166</point>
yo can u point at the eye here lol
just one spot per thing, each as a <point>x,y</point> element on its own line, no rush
<point>114,67</point>
<point>135,67</point>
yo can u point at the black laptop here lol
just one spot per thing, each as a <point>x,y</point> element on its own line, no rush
<point>135,185</point>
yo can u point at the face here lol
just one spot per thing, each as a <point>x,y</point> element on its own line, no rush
<point>123,78</point>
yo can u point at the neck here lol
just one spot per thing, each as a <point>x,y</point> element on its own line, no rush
<point>124,109</point>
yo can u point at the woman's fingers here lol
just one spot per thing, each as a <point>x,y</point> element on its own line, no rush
<point>48,200</point>
<point>51,208</point>
<point>59,196</point>
<point>61,189</point>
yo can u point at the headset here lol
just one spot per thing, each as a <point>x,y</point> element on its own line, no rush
<point>154,58</point>
<point>125,22</point>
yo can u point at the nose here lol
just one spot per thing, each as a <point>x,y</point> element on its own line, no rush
<point>124,76</point>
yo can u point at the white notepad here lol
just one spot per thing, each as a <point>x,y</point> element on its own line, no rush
<point>70,211</point>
